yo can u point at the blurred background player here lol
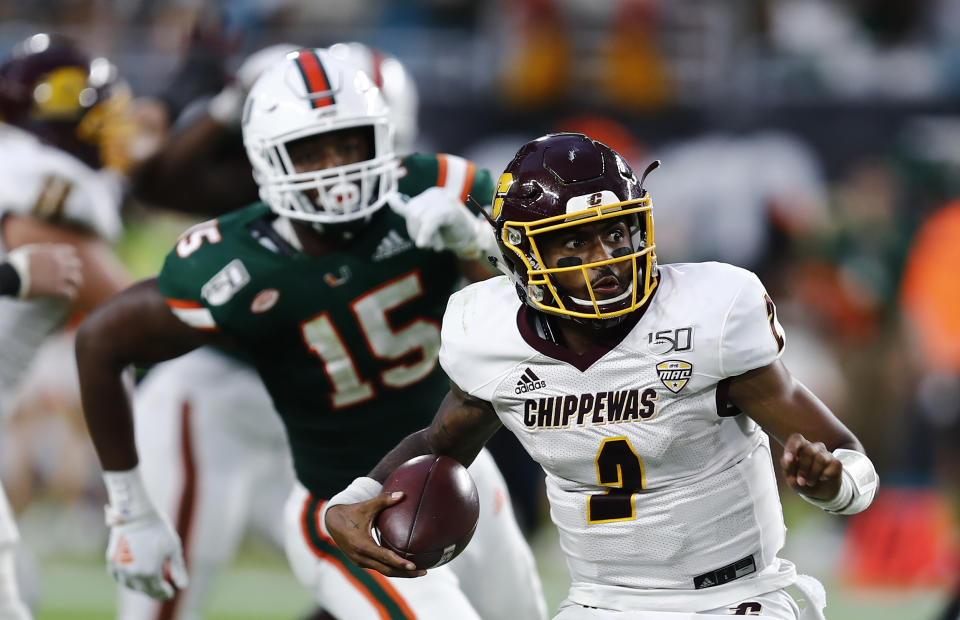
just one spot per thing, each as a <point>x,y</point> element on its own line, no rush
<point>63,139</point>
<point>324,160</point>
<point>63,145</point>
<point>29,271</point>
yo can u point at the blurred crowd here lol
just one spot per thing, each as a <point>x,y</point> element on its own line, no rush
<point>816,143</point>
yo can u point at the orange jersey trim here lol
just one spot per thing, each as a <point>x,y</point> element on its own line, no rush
<point>441,170</point>
<point>468,182</point>
<point>183,304</point>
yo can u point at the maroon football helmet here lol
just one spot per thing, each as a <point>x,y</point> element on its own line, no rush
<point>564,180</point>
<point>52,89</point>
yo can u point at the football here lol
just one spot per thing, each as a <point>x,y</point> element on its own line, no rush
<point>436,518</point>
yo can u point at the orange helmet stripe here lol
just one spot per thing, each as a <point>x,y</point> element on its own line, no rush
<point>314,77</point>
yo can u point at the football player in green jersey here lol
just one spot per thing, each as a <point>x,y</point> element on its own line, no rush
<point>336,301</point>
<point>205,410</point>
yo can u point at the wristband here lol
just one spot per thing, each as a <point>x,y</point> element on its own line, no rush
<point>360,490</point>
<point>9,280</point>
<point>19,259</point>
<point>127,495</point>
<point>858,486</point>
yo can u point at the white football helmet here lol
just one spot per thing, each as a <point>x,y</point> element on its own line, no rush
<point>311,92</point>
<point>395,83</point>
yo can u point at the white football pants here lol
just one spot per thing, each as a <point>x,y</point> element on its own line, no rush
<point>11,605</point>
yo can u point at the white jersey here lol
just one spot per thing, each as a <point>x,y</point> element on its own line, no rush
<point>656,484</point>
<point>44,181</point>
<point>39,180</point>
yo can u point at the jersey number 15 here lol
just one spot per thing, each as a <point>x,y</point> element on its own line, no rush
<point>384,341</point>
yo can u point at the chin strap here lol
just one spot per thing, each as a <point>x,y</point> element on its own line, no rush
<point>488,241</point>
<point>284,228</point>
<point>544,329</point>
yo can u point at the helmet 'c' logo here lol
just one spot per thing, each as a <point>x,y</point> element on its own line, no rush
<point>675,374</point>
<point>595,199</point>
<point>506,180</point>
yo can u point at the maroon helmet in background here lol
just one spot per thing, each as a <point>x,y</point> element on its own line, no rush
<point>52,89</point>
<point>560,181</point>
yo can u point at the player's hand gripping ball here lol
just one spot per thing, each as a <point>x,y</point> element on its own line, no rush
<point>438,514</point>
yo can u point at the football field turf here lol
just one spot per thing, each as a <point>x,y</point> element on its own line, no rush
<point>259,587</point>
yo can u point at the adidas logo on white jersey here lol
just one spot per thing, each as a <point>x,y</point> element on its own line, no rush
<point>391,245</point>
<point>528,382</point>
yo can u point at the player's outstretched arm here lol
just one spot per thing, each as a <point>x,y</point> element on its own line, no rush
<point>144,551</point>
<point>135,326</point>
<point>822,460</point>
<point>101,273</point>
<point>196,171</point>
<point>460,429</point>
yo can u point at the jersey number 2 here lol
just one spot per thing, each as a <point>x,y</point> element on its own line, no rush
<point>384,341</point>
<point>619,467</point>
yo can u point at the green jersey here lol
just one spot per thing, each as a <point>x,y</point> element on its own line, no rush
<point>346,343</point>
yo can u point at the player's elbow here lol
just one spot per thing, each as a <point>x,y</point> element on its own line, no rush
<point>438,441</point>
<point>85,341</point>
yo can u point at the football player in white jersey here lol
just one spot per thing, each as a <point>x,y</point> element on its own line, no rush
<point>60,149</point>
<point>28,272</point>
<point>59,180</point>
<point>643,390</point>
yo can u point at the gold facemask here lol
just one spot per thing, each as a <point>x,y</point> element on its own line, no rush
<point>543,293</point>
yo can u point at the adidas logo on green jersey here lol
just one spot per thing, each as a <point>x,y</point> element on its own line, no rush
<point>391,245</point>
